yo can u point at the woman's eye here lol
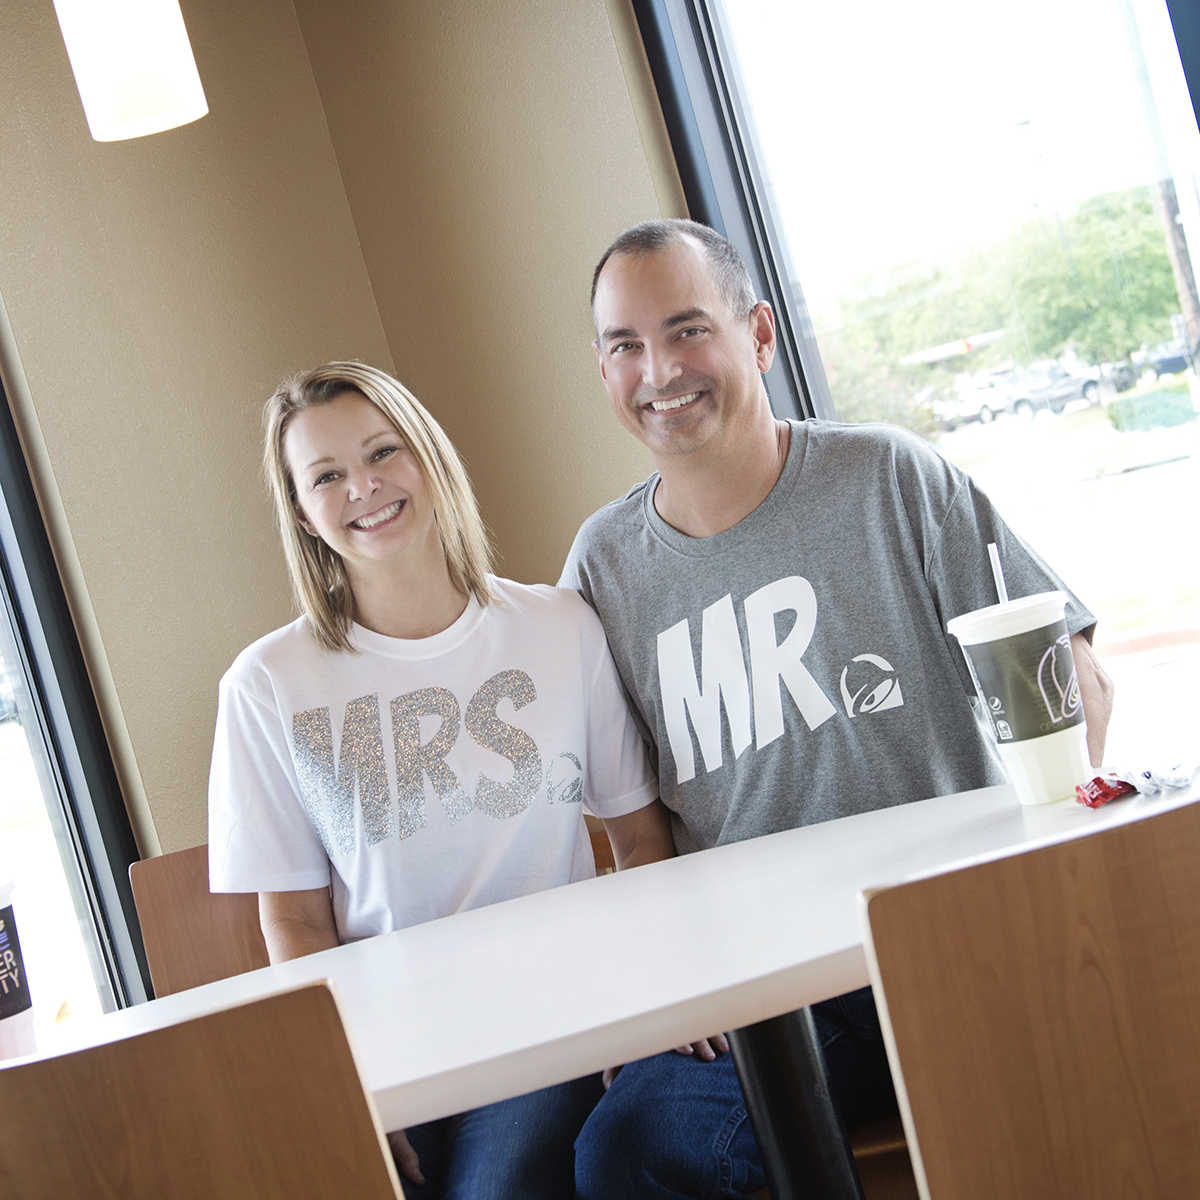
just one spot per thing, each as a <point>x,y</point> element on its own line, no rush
<point>384,452</point>
<point>327,477</point>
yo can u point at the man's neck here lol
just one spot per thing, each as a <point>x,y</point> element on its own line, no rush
<point>707,492</point>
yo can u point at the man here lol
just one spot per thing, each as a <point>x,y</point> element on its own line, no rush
<point>775,597</point>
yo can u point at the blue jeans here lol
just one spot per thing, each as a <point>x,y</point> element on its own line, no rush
<point>673,1126</point>
<point>514,1148</point>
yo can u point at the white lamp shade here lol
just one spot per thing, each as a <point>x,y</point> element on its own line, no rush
<point>133,65</point>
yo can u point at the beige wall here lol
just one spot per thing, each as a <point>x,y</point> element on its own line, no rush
<point>156,290</point>
<point>435,208</point>
<point>490,151</point>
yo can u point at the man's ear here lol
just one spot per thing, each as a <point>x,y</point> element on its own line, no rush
<point>600,358</point>
<point>762,330</point>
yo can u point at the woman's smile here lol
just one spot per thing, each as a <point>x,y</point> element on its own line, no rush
<point>369,522</point>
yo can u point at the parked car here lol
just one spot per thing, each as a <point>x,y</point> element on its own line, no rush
<point>951,407</point>
<point>1049,385</point>
<point>1122,375</point>
<point>981,397</point>
<point>1167,358</point>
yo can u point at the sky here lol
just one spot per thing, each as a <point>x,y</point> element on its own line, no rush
<point>896,132</point>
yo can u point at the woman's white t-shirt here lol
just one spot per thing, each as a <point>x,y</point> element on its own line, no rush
<point>419,778</point>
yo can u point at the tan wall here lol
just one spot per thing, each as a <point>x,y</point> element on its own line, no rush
<point>490,151</point>
<point>156,290</point>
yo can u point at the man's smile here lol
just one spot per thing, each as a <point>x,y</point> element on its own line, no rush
<point>674,402</point>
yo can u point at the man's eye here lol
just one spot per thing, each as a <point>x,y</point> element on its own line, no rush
<point>622,347</point>
<point>691,331</point>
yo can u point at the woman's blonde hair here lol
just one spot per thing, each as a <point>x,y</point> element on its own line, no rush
<point>318,575</point>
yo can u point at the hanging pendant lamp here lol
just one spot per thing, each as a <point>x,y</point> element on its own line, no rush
<point>133,66</point>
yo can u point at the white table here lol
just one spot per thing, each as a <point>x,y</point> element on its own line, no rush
<point>498,1001</point>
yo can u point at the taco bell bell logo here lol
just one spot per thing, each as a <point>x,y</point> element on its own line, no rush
<point>1058,682</point>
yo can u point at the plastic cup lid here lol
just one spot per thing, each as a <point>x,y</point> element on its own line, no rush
<point>1008,619</point>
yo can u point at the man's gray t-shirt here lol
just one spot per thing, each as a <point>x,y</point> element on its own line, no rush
<point>795,668</point>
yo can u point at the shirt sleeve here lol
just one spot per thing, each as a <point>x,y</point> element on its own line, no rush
<point>260,838</point>
<point>618,778</point>
<point>573,575</point>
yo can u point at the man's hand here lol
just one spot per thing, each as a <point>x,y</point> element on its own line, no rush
<point>406,1157</point>
<point>1096,692</point>
<point>706,1049</point>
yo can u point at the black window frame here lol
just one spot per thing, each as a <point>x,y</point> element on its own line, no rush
<point>68,719</point>
<point>723,184</point>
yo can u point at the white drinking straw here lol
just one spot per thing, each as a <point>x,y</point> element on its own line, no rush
<point>997,573</point>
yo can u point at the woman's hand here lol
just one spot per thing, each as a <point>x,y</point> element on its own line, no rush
<point>642,836</point>
<point>407,1162</point>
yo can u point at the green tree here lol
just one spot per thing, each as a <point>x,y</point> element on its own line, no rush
<point>1098,279</point>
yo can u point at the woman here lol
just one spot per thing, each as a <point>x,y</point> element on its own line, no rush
<point>418,742</point>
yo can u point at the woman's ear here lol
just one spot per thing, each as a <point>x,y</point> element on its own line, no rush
<point>304,522</point>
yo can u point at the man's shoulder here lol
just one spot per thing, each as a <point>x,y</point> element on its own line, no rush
<point>878,451</point>
<point>870,438</point>
<point>617,514</point>
<point>606,532</point>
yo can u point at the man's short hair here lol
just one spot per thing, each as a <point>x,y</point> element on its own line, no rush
<point>728,270</point>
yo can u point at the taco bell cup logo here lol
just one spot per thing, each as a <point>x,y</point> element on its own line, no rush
<point>1033,676</point>
<point>1058,681</point>
<point>1019,657</point>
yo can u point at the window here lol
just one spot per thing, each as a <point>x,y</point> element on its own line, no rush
<point>980,220</point>
<point>65,840</point>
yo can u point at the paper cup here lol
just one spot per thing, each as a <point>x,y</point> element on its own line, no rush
<point>1019,656</point>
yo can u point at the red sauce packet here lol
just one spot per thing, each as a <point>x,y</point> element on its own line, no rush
<point>1099,791</point>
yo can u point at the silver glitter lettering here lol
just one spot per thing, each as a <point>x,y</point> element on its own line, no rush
<point>414,760</point>
<point>329,787</point>
<point>505,799</point>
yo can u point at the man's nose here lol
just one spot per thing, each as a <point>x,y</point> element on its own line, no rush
<point>659,367</point>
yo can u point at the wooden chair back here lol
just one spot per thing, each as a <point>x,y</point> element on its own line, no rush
<point>1041,1013</point>
<point>260,1101</point>
<point>191,935</point>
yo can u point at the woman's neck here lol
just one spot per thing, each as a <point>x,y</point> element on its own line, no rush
<point>406,599</point>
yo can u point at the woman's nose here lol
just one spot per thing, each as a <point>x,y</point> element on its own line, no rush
<point>362,484</point>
